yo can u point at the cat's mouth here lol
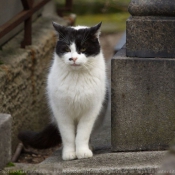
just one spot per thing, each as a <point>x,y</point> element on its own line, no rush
<point>75,64</point>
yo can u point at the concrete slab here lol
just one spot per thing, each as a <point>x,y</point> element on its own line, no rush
<point>135,163</point>
<point>5,139</point>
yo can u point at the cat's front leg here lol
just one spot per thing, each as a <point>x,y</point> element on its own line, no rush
<point>67,130</point>
<point>84,130</point>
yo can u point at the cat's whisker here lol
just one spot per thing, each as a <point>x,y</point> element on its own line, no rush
<point>91,65</point>
<point>87,69</point>
<point>65,39</point>
<point>85,37</point>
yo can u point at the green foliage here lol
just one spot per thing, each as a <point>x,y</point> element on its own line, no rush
<point>113,22</point>
<point>14,172</point>
<point>19,172</point>
<point>10,164</point>
<point>113,13</point>
<point>95,7</point>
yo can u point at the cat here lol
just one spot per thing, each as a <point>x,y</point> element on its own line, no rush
<point>77,93</point>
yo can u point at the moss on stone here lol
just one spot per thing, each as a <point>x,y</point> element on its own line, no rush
<point>10,164</point>
<point>17,172</point>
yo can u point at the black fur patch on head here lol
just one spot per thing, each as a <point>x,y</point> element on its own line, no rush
<point>86,39</point>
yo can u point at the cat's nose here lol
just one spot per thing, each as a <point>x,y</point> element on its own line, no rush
<point>73,59</point>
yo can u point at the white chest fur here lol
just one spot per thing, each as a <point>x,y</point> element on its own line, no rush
<point>76,91</point>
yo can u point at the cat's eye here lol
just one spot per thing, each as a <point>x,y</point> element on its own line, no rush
<point>67,49</point>
<point>83,49</point>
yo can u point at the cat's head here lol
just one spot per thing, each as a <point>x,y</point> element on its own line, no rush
<point>77,46</point>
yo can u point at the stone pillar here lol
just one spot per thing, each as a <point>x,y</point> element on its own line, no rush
<point>151,29</point>
<point>142,86</point>
<point>5,139</point>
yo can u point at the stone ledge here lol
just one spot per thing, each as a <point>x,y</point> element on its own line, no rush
<point>5,139</point>
<point>136,163</point>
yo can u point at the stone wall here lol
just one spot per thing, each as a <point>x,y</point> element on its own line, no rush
<point>5,139</point>
<point>23,78</point>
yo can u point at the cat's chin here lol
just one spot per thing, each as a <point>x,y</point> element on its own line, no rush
<point>75,66</point>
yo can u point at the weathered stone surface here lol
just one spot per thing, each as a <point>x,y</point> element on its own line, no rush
<point>143,103</point>
<point>152,8</point>
<point>23,78</point>
<point>150,37</point>
<point>168,165</point>
<point>136,163</point>
<point>5,139</point>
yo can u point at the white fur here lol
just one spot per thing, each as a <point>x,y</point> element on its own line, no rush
<point>76,93</point>
<point>79,27</point>
<point>84,27</point>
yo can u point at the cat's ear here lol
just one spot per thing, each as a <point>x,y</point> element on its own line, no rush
<point>96,30</point>
<point>58,27</point>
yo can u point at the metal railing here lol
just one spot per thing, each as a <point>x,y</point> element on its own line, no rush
<point>26,16</point>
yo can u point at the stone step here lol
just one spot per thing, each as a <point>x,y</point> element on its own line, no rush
<point>103,161</point>
<point>5,139</point>
<point>132,163</point>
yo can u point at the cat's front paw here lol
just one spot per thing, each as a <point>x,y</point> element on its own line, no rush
<point>84,153</point>
<point>70,155</point>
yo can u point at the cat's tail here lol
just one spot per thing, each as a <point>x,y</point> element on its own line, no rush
<point>47,138</point>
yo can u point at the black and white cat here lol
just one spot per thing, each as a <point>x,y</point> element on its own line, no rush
<point>76,89</point>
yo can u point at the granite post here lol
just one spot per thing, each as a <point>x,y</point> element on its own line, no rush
<point>143,79</point>
<point>151,28</point>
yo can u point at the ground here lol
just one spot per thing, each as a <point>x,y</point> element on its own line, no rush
<point>108,42</point>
